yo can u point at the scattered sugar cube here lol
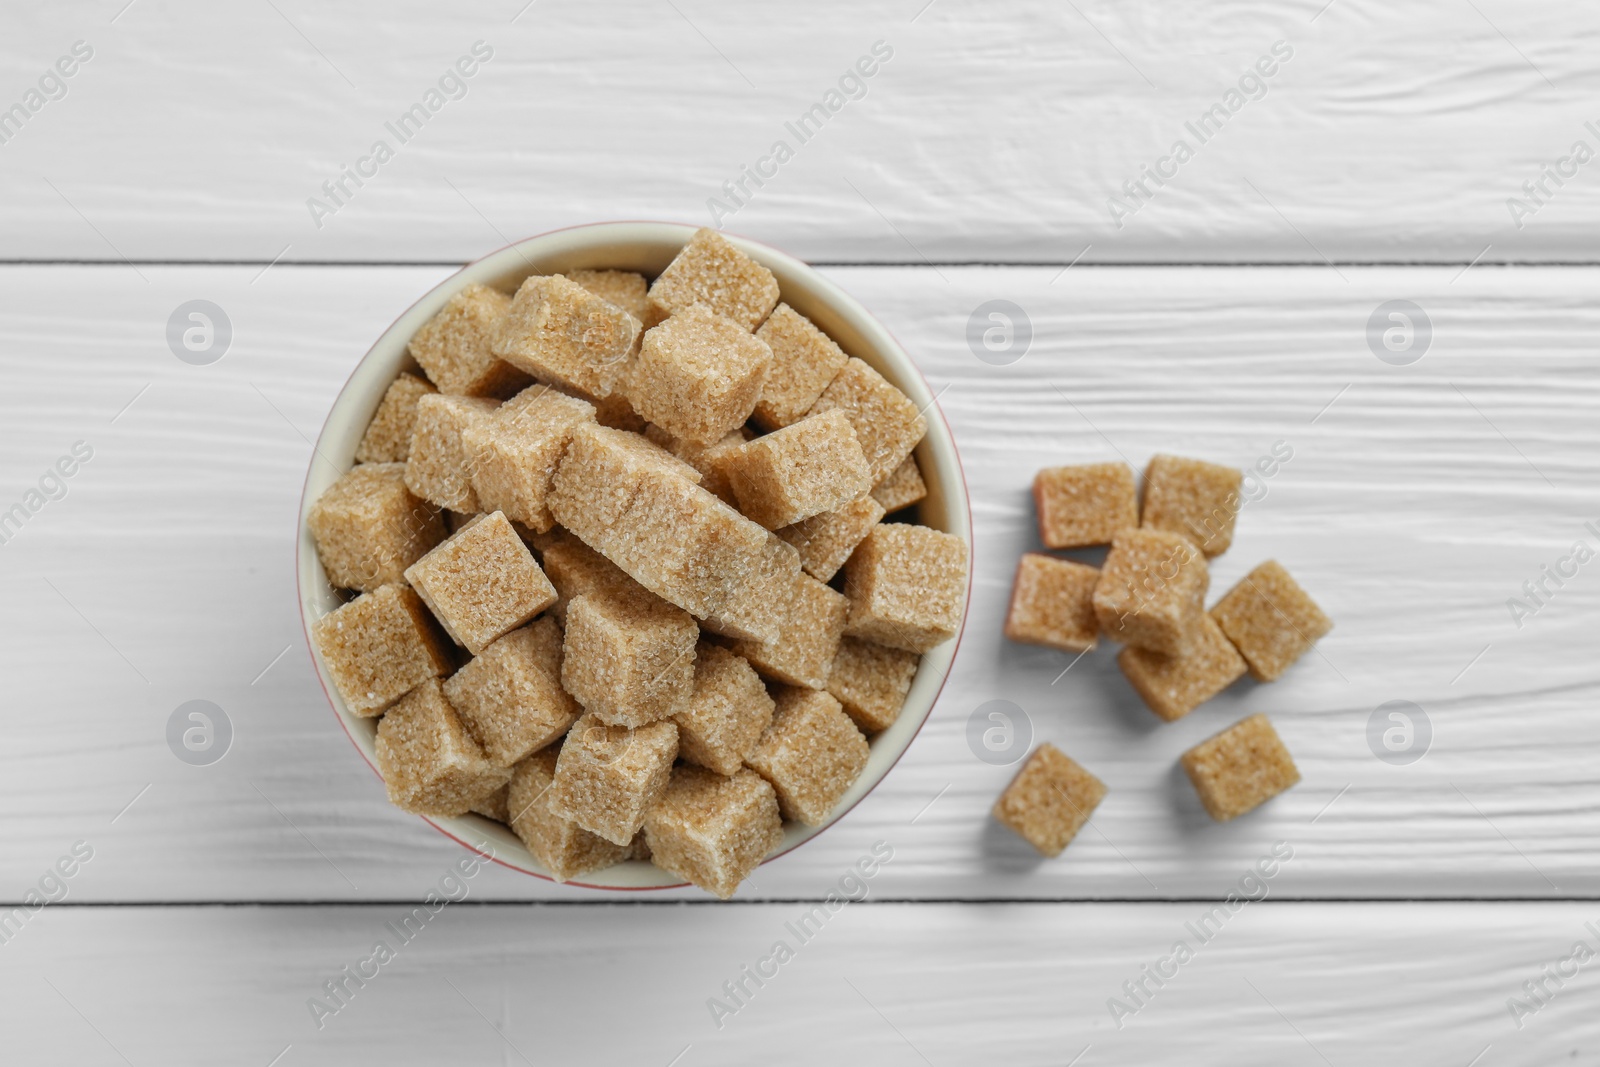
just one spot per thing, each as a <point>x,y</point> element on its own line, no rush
<point>1271,620</point>
<point>629,661</point>
<point>698,375</point>
<point>1151,590</point>
<point>560,332</point>
<point>429,762</point>
<point>804,361</point>
<point>439,469</point>
<point>516,450</point>
<point>454,346</point>
<point>623,288</point>
<point>807,468</point>
<point>388,436</point>
<point>379,646</point>
<point>825,541</point>
<point>1240,768</point>
<point>711,271</point>
<point>906,585</point>
<point>811,753</point>
<point>482,582</point>
<point>1173,686</point>
<point>711,829</point>
<point>566,849</point>
<point>871,681</point>
<point>575,569</point>
<point>727,711</point>
<point>510,695</point>
<point>1087,504</point>
<point>887,424</point>
<point>497,806</point>
<point>598,477</point>
<point>1049,800</point>
<point>809,631</point>
<point>1052,604</point>
<point>902,488</point>
<point>608,776</point>
<point>369,528</point>
<point>1193,498</point>
<point>707,459</point>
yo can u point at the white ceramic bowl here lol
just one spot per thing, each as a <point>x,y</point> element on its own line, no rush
<point>646,247</point>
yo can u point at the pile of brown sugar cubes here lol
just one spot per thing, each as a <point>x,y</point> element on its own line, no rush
<point>1150,596</point>
<point>623,580</point>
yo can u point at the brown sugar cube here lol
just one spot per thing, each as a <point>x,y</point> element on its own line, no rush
<point>1151,591</point>
<point>497,806</point>
<point>608,776</point>
<point>598,476</point>
<point>629,661</point>
<point>754,603</point>
<point>516,450</point>
<point>510,695</point>
<point>560,332</point>
<point>698,375</point>
<point>1087,504</point>
<point>804,361</point>
<point>566,849</point>
<point>439,468</point>
<point>726,713</point>
<point>388,436</point>
<point>369,528</point>
<point>1049,800</point>
<point>707,459</point>
<point>623,288</point>
<point>379,646</point>
<point>1240,768</point>
<point>809,631</point>
<point>713,829</point>
<point>616,411</point>
<point>811,753</point>
<point>906,586</point>
<point>825,541</point>
<point>711,271</point>
<point>902,488</point>
<point>482,582</point>
<point>1173,686</point>
<point>804,469</point>
<point>429,761</point>
<point>1271,620</point>
<point>1052,604</point>
<point>887,424</point>
<point>453,347</point>
<point>1193,498</point>
<point>575,569</point>
<point>871,682</point>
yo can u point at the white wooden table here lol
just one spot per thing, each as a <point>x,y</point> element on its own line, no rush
<point>1228,313</point>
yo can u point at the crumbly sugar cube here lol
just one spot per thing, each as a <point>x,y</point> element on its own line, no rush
<point>454,350</point>
<point>608,776</point>
<point>566,849</point>
<point>628,661</point>
<point>510,695</point>
<point>811,753</point>
<point>709,270</point>
<point>623,288</point>
<point>1049,800</point>
<point>887,424</point>
<point>560,332</point>
<point>1271,620</point>
<point>713,829</point>
<point>439,468</point>
<point>516,450</point>
<point>902,488</point>
<point>825,541</point>
<point>804,361</point>
<point>575,569</point>
<point>1152,588</point>
<point>482,582</point>
<point>369,528</point>
<point>1173,686</point>
<point>1052,604</point>
<point>1240,768</point>
<point>1193,498</point>
<point>379,646</point>
<point>726,712</point>
<point>496,806</point>
<point>1086,504</point>
<point>429,761</point>
<point>906,586</point>
<point>698,375</point>
<point>804,469</point>
<point>707,459</point>
<point>388,436</point>
<point>871,681</point>
<point>809,631</point>
<point>598,477</point>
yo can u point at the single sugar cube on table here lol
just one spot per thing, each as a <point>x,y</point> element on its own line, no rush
<point>1151,591</point>
<point>598,477</point>
<point>1173,686</point>
<point>811,753</point>
<point>698,375</point>
<point>804,361</point>
<point>1087,504</point>
<point>825,541</point>
<point>1271,620</point>
<point>608,776</point>
<point>1049,800</point>
<point>1052,604</point>
<point>380,646</point>
<point>871,681</point>
<point>514,453</point>
<point>510,695</point>
<point>429,761</point>
<point>482,582</point>
<point>809,631</point>
<point>368,527</point>
<point>1195,499</point>
<point>712,829</point>
<point>807,468</point>
<point>887,424</point>
<point>906,586</point>
<point>1240,768</point>
<point>708,459</point>
<point>709,270</point>
<point>566,849</point>
<point>439,469</point>
<point>560,332</point>
<point>388,436</point>
<point>727,710</point>
<point>623,288</point>
<point>454,347</point>
<point>902,488</point>
<point>628,660</point>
